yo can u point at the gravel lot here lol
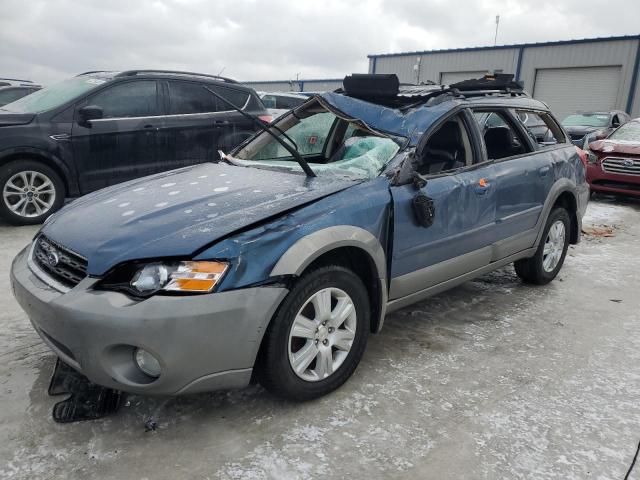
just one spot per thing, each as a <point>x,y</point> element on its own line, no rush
<point>491,380</point>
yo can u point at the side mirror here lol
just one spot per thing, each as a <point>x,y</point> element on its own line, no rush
<point>88,113</point>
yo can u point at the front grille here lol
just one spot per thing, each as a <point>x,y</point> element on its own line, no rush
<point>623,166</point>
<point>63,265</point>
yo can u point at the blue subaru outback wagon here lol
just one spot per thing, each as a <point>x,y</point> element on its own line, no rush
<point>277,261</point>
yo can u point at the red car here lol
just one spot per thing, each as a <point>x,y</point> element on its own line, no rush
<point>613,164</point>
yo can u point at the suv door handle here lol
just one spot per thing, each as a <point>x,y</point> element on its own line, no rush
<point>220,122</point>
<point>543,171</point>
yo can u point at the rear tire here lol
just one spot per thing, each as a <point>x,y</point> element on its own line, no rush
<point>30,192</point>
<point>326,345</point>
<point>549,257</point>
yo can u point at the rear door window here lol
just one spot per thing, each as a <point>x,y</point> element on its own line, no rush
<point>501,138</point>
<point>238,98</point>
<point>541,127</point>
<point>189,97</point>
<point>129,99</point>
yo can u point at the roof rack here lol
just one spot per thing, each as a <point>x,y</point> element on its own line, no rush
<point>93,71</point>
<point>130,73</point>
<point>16,80</point>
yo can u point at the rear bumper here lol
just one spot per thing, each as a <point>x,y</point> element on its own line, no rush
<point>203,343</point>
<point>601,181</point>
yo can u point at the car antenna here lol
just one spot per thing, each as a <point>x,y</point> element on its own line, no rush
<point>301,161</point>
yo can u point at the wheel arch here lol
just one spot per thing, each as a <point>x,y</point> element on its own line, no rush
<point>345,245</point>
<point>51,161</point>
<point>563,193</point>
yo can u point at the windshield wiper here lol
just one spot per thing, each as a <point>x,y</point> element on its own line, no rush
<point>294,153</point>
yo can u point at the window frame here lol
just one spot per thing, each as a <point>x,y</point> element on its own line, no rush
<point>513,122</point>
<point>542,113</point>
<point>475,139</point>
<point>159,104</point>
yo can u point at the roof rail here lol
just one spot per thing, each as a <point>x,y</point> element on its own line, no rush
<point>93,71</point>
<point>16,80</point>
<point>130,73</point>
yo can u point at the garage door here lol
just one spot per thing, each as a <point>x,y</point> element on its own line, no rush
<point>568,90</point>
<point>447,78</point>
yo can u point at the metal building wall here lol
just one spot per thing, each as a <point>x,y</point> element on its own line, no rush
<point>273,86</point>
<point>593,54</point>
<point>314,85</point>
<point>624,52</point>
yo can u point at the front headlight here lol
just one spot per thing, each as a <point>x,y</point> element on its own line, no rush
<point>145,280</point>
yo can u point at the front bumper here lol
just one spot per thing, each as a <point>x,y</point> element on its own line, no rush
<point>606,182</point>
<point>203,342</point>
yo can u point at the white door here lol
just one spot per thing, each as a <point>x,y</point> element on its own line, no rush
<point>568,90</point>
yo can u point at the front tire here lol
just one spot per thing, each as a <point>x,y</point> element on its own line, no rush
<point>549,258</point>
<point>316,339</point>
<point>31,191</point>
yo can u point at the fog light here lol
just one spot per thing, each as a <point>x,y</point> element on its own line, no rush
<point>147,362</point>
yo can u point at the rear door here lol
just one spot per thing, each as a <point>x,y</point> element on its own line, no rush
<point>524,173</point>
<point>459,182</point>
<point>124,143</point>
<point>199,124</point>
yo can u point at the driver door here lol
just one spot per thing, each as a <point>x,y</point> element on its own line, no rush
<point>456,177</point>
<point>124,143</point>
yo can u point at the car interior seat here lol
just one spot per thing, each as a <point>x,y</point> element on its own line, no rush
<point>444,150</point>
<point>500,143</point>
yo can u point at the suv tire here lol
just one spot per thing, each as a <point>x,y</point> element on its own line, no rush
<point>548,259</point>
<point>30,192</point>
<point>336,346</point>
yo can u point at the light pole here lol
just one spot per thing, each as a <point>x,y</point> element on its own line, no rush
<point>495,38</point>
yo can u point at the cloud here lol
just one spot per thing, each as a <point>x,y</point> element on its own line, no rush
<point>48,40</point>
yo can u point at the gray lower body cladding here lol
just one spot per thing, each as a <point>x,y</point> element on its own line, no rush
<point>203,343</point>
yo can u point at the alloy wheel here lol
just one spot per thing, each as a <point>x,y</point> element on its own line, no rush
<point>29,194</point>
<point>322,334</point>
<point>553,246</point>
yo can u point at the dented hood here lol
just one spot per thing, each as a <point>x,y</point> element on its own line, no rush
<point>179,212</point>
<point>626,147</point>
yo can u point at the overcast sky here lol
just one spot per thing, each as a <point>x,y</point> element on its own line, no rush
<point>49,40</point>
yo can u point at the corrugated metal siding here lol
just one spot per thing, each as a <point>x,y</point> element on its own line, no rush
<point>582,55</point>
<point>293,86</point>
<point>283,86</point>
<point>434,64</point>
<point>567,90</point>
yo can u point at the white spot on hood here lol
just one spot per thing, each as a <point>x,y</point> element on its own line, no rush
<point>162,204</point>
<point>139,189</point>
<point>211,204</point>
<point>111,200</point>
<point>128,213</point>
<point>203,176</point>
<point>166,185</point>
<point>175,192</point>
<point>221,189</point>
<point>125,204</point>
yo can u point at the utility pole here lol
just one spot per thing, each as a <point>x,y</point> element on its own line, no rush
<point>495,38</point>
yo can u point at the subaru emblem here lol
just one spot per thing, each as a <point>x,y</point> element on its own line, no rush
<point>627,162</point>
<point>52,258</point>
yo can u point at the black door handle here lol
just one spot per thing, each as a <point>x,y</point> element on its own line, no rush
<point>148,127</point>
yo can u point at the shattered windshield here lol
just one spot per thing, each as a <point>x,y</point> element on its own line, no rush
<point>629,132</point>
<point>586,120</point>
<point>329,144</point>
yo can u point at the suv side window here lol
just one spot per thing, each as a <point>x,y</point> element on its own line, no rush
<point>501,139</point>
<point>541,127</point>
<point>237,98</point>
<point>188,97</point>
<point>128,99</point>
<point>448,148</point>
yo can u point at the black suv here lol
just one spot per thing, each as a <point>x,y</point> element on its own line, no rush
<point>103,128</point>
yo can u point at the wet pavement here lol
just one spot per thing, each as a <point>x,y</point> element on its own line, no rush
<point>492,380</point>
